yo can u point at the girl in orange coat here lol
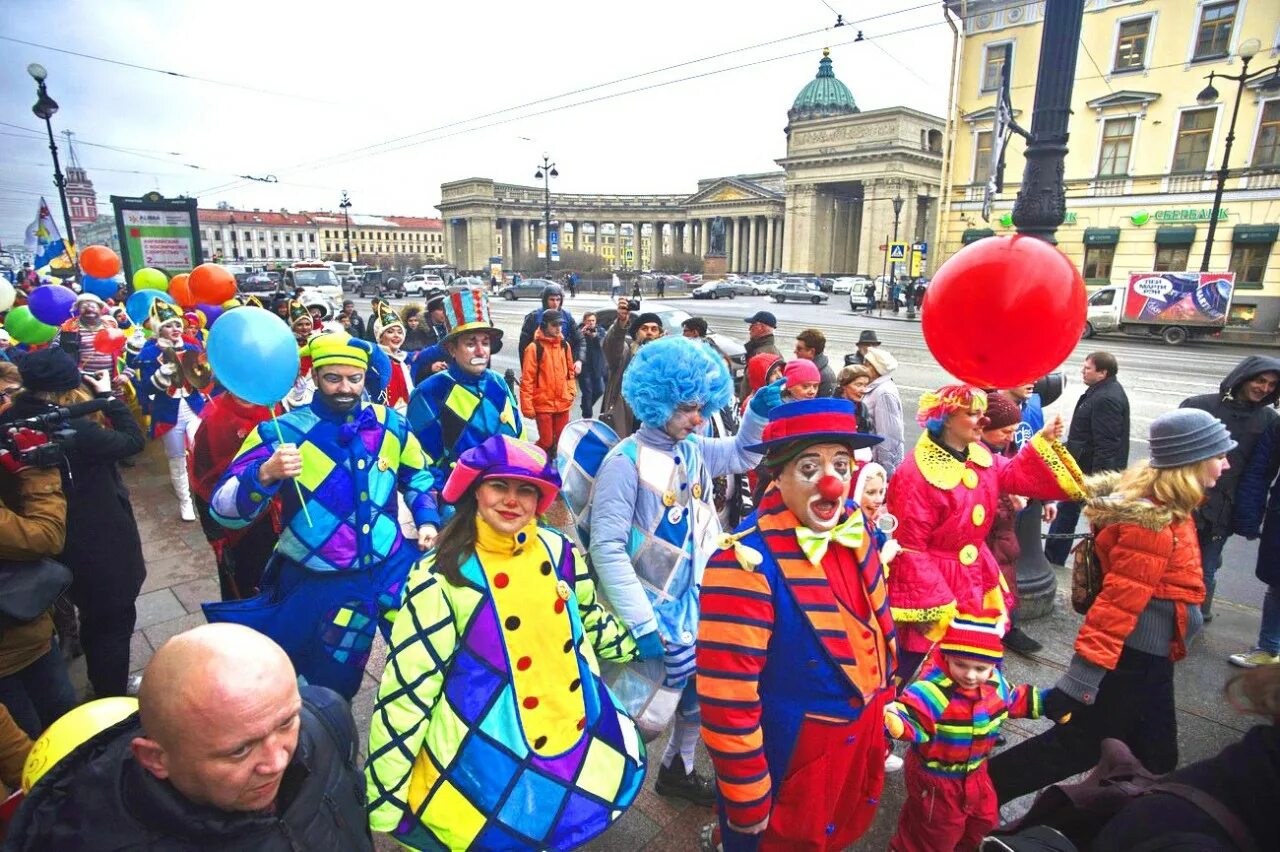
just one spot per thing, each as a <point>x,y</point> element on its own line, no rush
<point>1120,681</point>
<point>547,381</point>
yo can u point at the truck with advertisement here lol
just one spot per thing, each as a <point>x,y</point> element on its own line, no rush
<point>1175,306</point>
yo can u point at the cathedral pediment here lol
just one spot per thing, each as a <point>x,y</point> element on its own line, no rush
<point>729,190</point>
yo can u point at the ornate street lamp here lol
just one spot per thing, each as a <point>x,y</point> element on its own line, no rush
<point>545,173</point>
<point>44,108</point>
<point>345,204</point>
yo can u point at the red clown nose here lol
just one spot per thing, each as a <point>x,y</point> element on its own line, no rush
<point>831,487</point>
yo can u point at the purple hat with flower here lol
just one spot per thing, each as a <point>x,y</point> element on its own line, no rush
<point>504,457</point>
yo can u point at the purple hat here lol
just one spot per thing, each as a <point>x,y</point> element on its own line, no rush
<point>503,457</point>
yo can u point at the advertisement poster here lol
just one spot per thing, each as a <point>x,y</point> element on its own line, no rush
<point>157,232</point>
<point>1191,298</point>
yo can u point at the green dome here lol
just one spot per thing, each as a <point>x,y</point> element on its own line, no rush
<point>823,96</point>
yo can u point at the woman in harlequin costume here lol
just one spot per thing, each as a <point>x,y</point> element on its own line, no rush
<point>173,403</point>
<point>492,728</point>
<point>388,330</point>
<point>945,497</point>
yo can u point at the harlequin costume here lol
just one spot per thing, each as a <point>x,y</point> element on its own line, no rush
<point>945,505</point>
<point>400,379</point>
<point>304,387</point>
<point>453,410</point>
<point>795,653</point>
<point>340,565</point>
<point>492,728</point>
<point>950,801</point>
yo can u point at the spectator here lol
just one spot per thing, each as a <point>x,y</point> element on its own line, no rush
<point>618,352</point>
<point>1098,440</point>
<point>763,369</point>
<point>760,326</point>
<point>225,752</point>
<point>1245,403</point>
<point>694,328</point>
<point>1257,511</point>
<point>662,286</point>
<point>552,300</point>
<point>867,340</point>
<point>373,312</point>
<point>852,384</point>
<point>884,408</point>
<point>591,379</point>
<point>416,335</point>
<point>5,343</point>
<point>1028,402</point>
<point>802,380</point>
<point>1119,683</point>
<point>15,745</point>
<point>353,323</point>
<point>811,345</point>
<point>547,381</point>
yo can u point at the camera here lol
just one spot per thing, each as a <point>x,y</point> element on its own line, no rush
<point>55,424</point>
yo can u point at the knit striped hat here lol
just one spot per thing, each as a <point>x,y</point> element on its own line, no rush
<point>975,637</point>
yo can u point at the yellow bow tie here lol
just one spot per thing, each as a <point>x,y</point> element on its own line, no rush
<point>814,544</point>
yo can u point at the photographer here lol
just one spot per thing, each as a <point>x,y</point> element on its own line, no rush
<point>33,677</point>
<point>103,549</point>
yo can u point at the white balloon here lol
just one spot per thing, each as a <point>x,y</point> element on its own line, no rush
<point>7,295</point>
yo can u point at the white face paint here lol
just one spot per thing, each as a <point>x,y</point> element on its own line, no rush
<point>685,421</point>
<point>471,352</point>
<point>799,480</point>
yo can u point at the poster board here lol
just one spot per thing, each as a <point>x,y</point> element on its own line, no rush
<point>1179,298</point>
<point>159,232</point>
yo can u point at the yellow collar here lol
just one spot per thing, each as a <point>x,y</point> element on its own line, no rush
<point>493,543</point>
<point>941,469</point>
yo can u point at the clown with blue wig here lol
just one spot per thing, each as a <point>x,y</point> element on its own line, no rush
<point>652,527</point>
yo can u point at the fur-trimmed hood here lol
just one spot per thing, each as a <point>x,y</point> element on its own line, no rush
<point>1104,506</point>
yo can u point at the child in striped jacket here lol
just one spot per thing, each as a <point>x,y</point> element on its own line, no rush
<point>952,715</point>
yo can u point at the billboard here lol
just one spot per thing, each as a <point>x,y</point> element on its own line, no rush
<point>157,232</point>
<point>1184,298</point>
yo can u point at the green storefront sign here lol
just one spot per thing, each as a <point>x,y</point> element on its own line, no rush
<point>1186,214</point>
<point>1006,221</point>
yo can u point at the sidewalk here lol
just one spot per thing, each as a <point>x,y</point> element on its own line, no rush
<point>181,574</point>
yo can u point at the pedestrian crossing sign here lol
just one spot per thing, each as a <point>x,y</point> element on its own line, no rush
<point>897,251</point>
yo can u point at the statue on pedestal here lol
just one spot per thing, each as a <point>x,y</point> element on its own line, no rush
<point>717,237</point>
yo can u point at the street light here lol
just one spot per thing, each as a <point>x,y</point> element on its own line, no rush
<point>235,245</point>
<point>345,204</point>
<point>545,173</point>
<point>44,108</point>
<point>1247,50</point>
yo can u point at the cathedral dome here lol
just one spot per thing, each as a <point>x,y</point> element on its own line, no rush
<point>823,96</point>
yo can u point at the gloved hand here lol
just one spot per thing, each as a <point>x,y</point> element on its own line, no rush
<point>767,398</point>
<point>650,646</point>
<point>893,722</point>
<point>1059,706</point>
<point>24,440</point>
<point>891,549</point>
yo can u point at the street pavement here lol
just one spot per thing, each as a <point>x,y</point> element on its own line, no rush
<point>181,573</point>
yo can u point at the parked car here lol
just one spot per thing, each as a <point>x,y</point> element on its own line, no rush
<point>850,284</point>
<point>424,285</point>
<point>765,287</point>
<point>715,290</point>
<point>527,288</point>
<point>743,287</point>
<point>258,282</point>
<point>795,291</point>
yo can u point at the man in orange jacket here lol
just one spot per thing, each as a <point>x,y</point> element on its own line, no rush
<point>547,382</point>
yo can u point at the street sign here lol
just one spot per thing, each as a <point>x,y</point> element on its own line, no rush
<point>555,237</point>
<point>629,255</point>
<point>897,251</point>
<point>922,248</point>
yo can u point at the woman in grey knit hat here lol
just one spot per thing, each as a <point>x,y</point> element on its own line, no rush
<point>1120,681</point>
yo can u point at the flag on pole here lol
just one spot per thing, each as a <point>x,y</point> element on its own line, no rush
<point>44,241</point>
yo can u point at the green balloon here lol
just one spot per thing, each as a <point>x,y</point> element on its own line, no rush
<point>150,279</point>
<point>25,328</point>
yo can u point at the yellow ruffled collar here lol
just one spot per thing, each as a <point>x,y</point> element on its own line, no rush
<point>490,541</point>
<point>940,468</point>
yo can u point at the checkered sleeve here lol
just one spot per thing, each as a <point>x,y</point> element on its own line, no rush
<point>423,415</point>
<point>416,480</point>
<point>513,405</point>
<point>423,641</point>
<point>609,638</point>
<point>238,498</point>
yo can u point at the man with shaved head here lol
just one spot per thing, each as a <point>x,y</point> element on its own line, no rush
<point>225,752</point>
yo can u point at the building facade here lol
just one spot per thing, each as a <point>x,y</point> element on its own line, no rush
<point>374,238</point>
<point>82,200</point>
<point>257,237</point>
<point>1144,148</point>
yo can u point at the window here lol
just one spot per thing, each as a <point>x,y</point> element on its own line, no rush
<point>993,65</point>
<point>1249,262</point>
<point>247,237</point>
<point>1103,298</point>
<point>1117,142</point>
<point>1213,39</point>
<point>1172,258</point>
<point>288,253</point>
<point>1195,132</point>
<point>1266,148</point>
<point>311,238</point>
<point>1097,262</point>
<point>288,238</point>
<point>1131,45</point>
<point>982,156</point>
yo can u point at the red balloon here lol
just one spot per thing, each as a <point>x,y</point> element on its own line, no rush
<point>110,341</point>
<point>100,262</point>
<point>1004,311</point>
<point>180,290</point>
<point>211,283</point>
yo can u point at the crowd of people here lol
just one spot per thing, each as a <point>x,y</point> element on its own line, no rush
<point>869,595</point>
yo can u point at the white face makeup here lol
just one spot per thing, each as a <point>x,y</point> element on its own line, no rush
<point>812,497</point>
<point>471,352</point>
<point>685,420</point>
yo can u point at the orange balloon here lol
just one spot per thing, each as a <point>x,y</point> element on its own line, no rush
<point>180,290</point>
<point>100,262</point>
<point>211,284</point>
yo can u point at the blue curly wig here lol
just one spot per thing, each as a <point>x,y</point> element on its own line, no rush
<point>672,371</point>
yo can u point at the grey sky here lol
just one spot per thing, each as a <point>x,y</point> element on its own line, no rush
<point>355,74</point>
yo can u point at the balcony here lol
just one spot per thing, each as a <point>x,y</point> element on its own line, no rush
<point>1190,182</point>
<point>1110,186</point>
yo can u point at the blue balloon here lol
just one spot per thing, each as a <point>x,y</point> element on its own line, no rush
<point>51,303</point>
<point>139,305</point>
<point>103,288</point>
<point>253,355</point>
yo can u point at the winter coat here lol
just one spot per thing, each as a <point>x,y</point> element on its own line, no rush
<point>884,409</point>
<point>103,548</point>
<point>99,799</point>
<point>757,346</point>
<point>1246,422</point>
<point>1257,507</point>
<point>618,349</point>
<point>827,383</point>
<point>568,329</point>
<point>593,353</point>
<point>547,381</point>
<point>1145,553</point>
<point>1099,434</point>
<point>417,338</point>
<point>757,368</point>
<point>37,529</point>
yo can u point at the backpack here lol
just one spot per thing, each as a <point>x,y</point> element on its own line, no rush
<point>1086,574</point>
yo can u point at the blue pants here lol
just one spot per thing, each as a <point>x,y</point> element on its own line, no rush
<point>1056,550</point>
<point>1210,561</point>
<point>591,388</point>
<point>38,694</point>
<point>1269,630</point>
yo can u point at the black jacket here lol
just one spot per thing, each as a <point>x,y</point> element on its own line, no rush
<point>1246,422</point>
<point>1257,503</point>
<point>1099,434</point>
<point>756,346</point>
<point>568,329</point>
<point>98,799</point>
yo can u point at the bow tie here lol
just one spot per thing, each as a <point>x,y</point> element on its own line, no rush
<point>814,544</point>
<point>363,422</point>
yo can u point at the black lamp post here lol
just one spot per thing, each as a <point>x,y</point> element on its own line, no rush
<point>44,108</point>
<point>545,173</point>
<point>235,245</point>
<point>345,204</point>
<point>1247,50</point>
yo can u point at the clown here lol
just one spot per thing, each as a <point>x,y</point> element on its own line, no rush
<point>172,401</point>
<point>796,646</point>
<point>78,333</point>
<point>945,497</point>
<point>388,331</point>
<point>653,523</point>
<point>341,562</point>
<point>193,329</point>
<point>304,328</point>
<point>462,406</point>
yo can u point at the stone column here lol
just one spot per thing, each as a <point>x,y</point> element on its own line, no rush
<point>704,237</point>
<point>617,245</point>
<point>596,237</point>
<point>751,246</point>
<point>637,237</point>
<point>771,236</point>
<point>655,244</point>
<point>740,245</point>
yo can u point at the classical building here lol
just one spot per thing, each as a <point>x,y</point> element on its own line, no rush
<point>1144,149</point>
<point>257,237</point>
<point>828,211</point>
<point>389,237</point>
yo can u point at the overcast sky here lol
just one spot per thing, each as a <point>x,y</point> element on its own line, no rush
<point>302,85</point>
